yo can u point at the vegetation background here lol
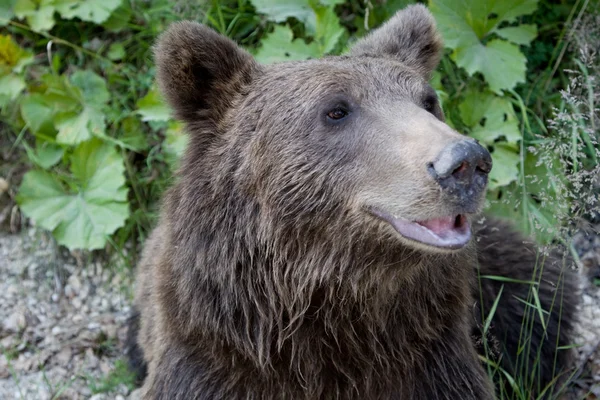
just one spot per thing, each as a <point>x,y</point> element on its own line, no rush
<point>88,147</point>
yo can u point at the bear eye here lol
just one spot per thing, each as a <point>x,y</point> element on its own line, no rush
<point>428,105</point>
<point>337,113</point>
<point>430,101</point>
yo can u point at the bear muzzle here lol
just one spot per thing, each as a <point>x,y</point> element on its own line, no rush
<point>461,170</point>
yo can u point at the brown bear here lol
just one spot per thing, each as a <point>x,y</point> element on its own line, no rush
<point>318,241</point>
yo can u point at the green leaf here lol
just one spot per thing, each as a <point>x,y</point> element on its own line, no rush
<point>522,34</point>
<point>278,46</point>
<point>6,11</point>
<point>45,155</point>
<point>329,30</point>
<point>10,87</point>
<point>87,10</point>
<point>116,51</point>
<point>93,87</point>
<point>43,199</point>
<point>500,62</point>
<point>81,218</point>
<point>74,128</point>
<point>152,108</point>
<point>490,117</point>
<point>466,25</point>
<point>38,114</point>
<point>133,135</point>
<point>119,19</point>
<point>505,166</point>
<point>38,13</point>
<point>281,10</point>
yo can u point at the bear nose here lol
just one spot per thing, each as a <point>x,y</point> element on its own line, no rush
<point>462,166</point>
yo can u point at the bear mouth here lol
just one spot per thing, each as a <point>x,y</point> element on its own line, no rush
<point>451,232</point>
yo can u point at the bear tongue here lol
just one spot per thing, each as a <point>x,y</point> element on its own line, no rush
<point>445,232</point>
<point>443,227</point>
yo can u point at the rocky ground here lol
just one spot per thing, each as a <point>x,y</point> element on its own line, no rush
<point>62,322</point>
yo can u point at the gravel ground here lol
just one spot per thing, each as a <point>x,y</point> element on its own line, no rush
<point>62,324</point>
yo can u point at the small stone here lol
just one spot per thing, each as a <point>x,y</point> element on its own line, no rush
<point>15,322</point>
<point>92,326</point>
<point>64,356</point>
<point>136,394</point>
<point>56,330</point>
<point>3,185</point>
<point>75,283</point>
<point>76,302</point>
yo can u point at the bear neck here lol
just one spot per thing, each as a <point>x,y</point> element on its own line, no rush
<point>309,300</point>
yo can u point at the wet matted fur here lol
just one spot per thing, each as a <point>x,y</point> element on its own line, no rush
<point>267,276</point>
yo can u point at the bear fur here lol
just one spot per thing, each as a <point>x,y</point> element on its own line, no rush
<point>268,276</point>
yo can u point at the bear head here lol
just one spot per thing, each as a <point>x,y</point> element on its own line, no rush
<point>341,149</point>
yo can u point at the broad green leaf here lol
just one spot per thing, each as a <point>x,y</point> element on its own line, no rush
<point>43,199</point>
<point>96,11</point>
<point>93,87</point>
<point>490,117</point>
<point>152,108</point>
<point>45,155</point>
<point>466,26</point>
<point>522,34</point>
<point>10,87</point>
<point>329,30</point>
<point>38,13</point>
<point>74,128</point>
<point>278,46</point>
<point>119,19</point>
<point>37,114</point>
<point>505,166</point>
<point>48,154</point>
<point>77,126</point>
<point>500,62</point>
<point>80,218</point>
<point>281,10</point>
<point>6,11</point>
<point>479,17</point>
<point>132,134</point>
<point>521,203</point>
<point>509,10</point>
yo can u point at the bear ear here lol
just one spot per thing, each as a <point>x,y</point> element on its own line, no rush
<point>199,71</point>
<point>410,36</point>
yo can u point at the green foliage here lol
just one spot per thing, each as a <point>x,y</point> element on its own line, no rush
<point>110,383</point>
<point>40,13</point>
<point>90,205</point>
<point>468,28</point>
<point>90,91</point>
<point>322,25</point>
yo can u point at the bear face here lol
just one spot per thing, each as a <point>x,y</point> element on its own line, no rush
<point>354,137</point>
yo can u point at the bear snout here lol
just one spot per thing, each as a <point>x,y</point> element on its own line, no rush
<point>461,169</point>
